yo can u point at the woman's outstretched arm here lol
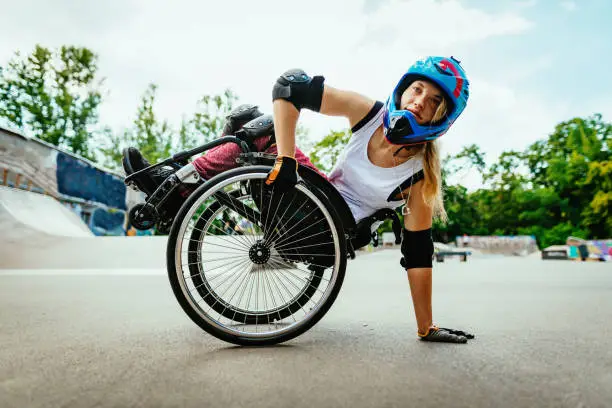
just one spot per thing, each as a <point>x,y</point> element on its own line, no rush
<point>420,278</point>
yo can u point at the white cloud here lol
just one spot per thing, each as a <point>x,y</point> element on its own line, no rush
<point>191,48</point>
<point>423,25</point>
<point>521,69</point>
<point>568,5</point>
<point>524,4</point>
<point>499,118</point>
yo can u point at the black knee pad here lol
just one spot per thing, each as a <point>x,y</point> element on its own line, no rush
<point>417,249</point>
<point>302,91</point>
<point>239,116</point>
<point>258,127</point>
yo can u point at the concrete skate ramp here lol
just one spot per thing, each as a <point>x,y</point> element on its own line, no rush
<point>38,232</point>
<point>37,216</point>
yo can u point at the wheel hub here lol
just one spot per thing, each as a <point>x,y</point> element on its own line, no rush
<point>259,253</point>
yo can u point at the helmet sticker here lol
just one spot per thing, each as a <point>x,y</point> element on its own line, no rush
<point>446,64</point>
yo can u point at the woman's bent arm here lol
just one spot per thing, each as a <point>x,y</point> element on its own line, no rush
<point>351,105</point>
<point>335,102</point>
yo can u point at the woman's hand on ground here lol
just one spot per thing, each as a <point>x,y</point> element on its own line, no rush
<point>444,335</point>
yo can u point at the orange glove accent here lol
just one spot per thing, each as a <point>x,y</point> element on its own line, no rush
<point>284,173</point>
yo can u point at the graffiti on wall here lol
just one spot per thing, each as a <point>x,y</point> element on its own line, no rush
<point>77,178</point>
<point>500,244</point>
<point>600,250</point>
<point>96,194</point>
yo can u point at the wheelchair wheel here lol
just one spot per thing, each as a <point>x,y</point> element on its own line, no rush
<point>209,221</point>
<point>252,266</point>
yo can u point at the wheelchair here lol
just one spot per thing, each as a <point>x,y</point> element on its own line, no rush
<point>248,264</point>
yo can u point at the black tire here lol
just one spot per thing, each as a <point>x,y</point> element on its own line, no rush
<point>213,325</point>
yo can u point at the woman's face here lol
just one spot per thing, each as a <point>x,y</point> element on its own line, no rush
<point>422,99</point>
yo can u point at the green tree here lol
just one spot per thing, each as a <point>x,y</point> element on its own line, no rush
<point>325,152</point>
<point>207,121</point>
<point>575,162</point>
<point>461,212</point>
<point>598,214</point>
<point>460,208</point>
<point>156,139</point>
<point>556,187</point>
<point>153,137</point>
<point>469,157</point>
<point>53,95</point>
<point>148,134</point>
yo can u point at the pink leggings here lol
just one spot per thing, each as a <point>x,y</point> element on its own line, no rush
<point>223,157</point>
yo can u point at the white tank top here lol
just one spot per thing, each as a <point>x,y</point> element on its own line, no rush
<point>364,186</point>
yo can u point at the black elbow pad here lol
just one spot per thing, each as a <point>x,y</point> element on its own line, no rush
<point>417,249</point>
<point>301,90</point>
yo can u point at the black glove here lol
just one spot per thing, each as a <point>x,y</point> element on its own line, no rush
<point>440,334</point>
<point>467,335</point>
<point>283,175</point>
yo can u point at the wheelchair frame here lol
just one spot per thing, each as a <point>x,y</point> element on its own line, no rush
<point>339,215</point>
<point>187,174</point>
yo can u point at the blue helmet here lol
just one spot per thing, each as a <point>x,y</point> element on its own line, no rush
<point>401,126</point>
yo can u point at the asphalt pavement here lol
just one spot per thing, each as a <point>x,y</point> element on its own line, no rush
<point>118,338</point>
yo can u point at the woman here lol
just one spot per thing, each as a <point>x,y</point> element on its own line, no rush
<point>390,160</point>
<point>392,146</point>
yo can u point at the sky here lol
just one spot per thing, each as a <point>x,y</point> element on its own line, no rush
<point>531,63</point>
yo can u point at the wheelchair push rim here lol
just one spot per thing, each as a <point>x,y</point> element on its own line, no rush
<point>254,266</point>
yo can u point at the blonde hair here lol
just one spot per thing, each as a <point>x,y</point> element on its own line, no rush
<point>440,112</point>
<point>432,184</point>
